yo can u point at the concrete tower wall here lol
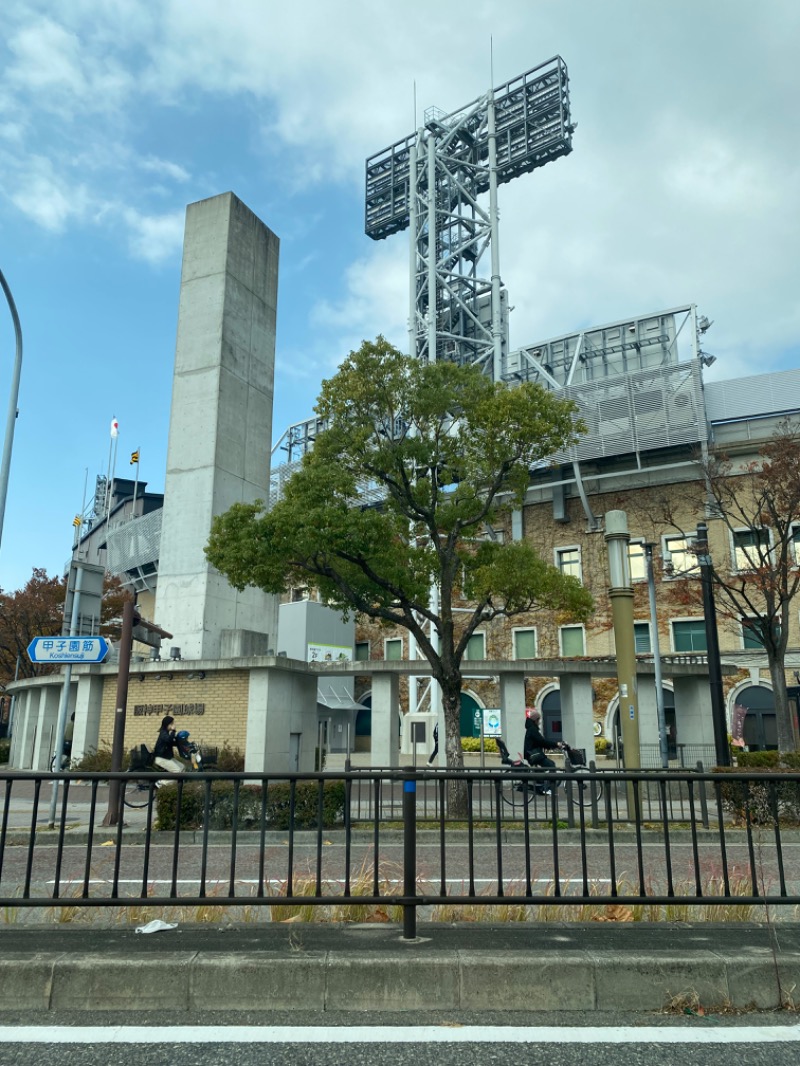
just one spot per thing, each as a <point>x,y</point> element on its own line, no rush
<point>221,425</point>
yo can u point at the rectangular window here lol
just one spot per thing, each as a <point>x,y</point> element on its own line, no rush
<point>300,593</point>
<point>689,636</point>
<point>524,643</point>
<point>362,651</point>
<point>749,546</point>
<point>476,647</point>
<point>393,649</point>
<point>684,561</point>
<point>751,636</point>
<point>637,561</point>
<point>568,561</point>
<point>571,640</point>
<point>641,638</point>
<point>796,544</point>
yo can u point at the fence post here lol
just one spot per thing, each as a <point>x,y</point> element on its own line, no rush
<point>703,797</point>
<point>409,852</point>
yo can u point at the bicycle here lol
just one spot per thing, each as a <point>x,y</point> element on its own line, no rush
<point>140,793</point>
<point>518,788</point>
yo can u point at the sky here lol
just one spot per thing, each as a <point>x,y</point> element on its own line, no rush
<point>682,187</point>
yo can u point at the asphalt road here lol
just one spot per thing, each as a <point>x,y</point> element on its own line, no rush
<point>166,872</point>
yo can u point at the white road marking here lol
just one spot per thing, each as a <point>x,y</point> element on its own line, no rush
<point>394,1034</point>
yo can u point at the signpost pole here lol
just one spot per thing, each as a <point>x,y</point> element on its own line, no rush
<point>118,743</point>
<point>61,727</point>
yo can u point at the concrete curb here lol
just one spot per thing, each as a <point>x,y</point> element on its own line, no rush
<point>423,979</point>
<point>390,974</point>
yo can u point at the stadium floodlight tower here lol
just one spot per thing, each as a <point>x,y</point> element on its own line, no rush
<point>434,182</point>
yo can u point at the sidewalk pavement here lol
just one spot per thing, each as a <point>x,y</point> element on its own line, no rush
<point>362,967</point>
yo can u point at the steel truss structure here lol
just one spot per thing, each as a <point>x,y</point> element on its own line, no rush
<point>434,182</point>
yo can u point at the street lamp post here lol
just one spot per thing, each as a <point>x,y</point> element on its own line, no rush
<point>5,465</point>
<point>621,593</point>
<point>656,646</point>
<point>722,750</point>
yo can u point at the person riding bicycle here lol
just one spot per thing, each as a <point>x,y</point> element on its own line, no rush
<point>536,745</point>
<point>164,752</point>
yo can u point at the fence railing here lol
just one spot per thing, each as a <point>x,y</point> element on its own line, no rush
<point>402,838</point>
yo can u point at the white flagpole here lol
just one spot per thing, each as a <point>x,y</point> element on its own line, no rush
<point>112,464</point>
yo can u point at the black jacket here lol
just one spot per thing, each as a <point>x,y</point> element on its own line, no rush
<point>534,741</point>
<point>165,744</point>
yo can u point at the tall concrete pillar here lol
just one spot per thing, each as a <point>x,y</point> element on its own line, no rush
<point>512,710</point>
<point>88,705</point>
<point>386,721</point>
<point>577,719</point>
<point>220,425</point>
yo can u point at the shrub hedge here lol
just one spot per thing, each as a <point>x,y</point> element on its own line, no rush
<point>762,800</point>
<point>277,809</point>
<point>5,750</point>
<point>97,761</point>
<point>474,744</point>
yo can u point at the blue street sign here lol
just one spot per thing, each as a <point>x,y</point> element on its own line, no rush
<point>68,649</point>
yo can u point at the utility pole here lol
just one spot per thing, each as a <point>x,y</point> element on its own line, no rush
<point>722,750</point>
<point>146,632</point>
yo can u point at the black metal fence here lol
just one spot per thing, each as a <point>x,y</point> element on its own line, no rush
<point>418,841</point>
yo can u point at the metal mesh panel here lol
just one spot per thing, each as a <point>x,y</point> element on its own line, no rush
<point>639,412</point>
<point>135,543</point>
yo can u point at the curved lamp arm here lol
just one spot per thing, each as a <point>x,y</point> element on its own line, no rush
<point>5,467</point>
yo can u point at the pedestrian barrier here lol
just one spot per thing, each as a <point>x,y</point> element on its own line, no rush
<point>406,839</point>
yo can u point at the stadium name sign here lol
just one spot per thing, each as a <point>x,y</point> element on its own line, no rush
<point>174,709</point>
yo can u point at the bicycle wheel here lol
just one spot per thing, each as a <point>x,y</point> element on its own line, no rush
<point>516,791</point>
<point>583,791</point>
<point>137,792</point>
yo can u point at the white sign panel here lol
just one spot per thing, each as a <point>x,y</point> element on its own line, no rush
<point>329,653</point>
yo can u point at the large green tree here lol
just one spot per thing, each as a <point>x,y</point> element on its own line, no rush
<point>416,464</point>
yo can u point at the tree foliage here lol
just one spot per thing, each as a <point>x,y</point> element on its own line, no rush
<point>756,504</point>
<point>404,492</point>
<point>37,610</point>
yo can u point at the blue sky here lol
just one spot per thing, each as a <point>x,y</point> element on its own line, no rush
<point>114,114</point>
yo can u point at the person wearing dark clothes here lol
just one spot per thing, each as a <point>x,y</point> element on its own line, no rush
<point>164,753</point>
<point>435,752</point>
<point>535,744</point>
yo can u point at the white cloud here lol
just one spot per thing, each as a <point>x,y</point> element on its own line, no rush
<point>164,167</point>
<point>47,198</point>
<point>154,238</point>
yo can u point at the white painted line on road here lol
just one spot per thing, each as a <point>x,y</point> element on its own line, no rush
<point>395,1034</point>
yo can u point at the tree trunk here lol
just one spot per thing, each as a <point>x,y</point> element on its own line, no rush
<point>457,804</point>
<point>787,741</point>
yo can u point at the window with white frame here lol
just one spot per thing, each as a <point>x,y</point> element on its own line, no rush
<point>362,651</point>
<point>641,638</point>
<point>684,560</point>
<point>393,648</point>
<point>571,640</point>
<point>749,547</point>
<point>300,593</point>
<point>568,561</point>
<point>525,644</point>
<point>636,560</point>
<point>689,635</point>
<point>476,647</point>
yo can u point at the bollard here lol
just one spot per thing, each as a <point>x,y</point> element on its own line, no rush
<point>409,853</point>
